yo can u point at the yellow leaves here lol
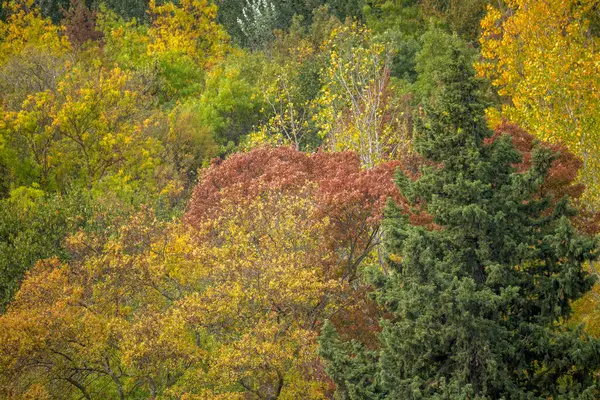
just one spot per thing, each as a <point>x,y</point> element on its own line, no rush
<point>186,29</point>
<point>25,27</point>
<point>354,101</point>
<point>289,109</point>
<point>196,311</point>
<point>166,343</point>
<point>269,362</point>
<point>540,55</point>
<point>25,198</point>
<point>267,275</point>
<point>36,392</point>
<point>87,130</point>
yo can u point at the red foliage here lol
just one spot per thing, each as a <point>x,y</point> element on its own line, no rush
<point>245,175</point>
<point>80,23</point>
<point>341,184</point>
<point>351,198</point>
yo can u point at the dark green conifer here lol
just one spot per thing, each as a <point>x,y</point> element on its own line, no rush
<point>477,306</point>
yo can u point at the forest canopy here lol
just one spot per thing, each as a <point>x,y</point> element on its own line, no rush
<point>299,199</point>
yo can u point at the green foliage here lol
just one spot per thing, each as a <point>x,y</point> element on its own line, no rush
<point>400,16</point>
<point>460,16</point>
<point>32,227</point>
<point>53,9</point>
<point>128,9</point>
<point>230,103</point>
<point>434,59</point>
<point>474,303</point>
<point>111,111</point>
<point>259,30</point>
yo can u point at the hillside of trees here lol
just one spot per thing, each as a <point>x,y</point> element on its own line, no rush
<point>299,199</point>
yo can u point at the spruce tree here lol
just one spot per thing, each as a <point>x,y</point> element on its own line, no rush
<point>477,306</point>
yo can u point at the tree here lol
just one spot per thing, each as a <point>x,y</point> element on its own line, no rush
<point>257,22</point>
<point>562,178</point>
<point>52,9</point>
<point>356,107</point>
<point>80,23</point>
<point>475,304</point>
<point>352,199</point>
<point>172,53</point>
<point>78,328</point>
<point>25,26</point>
<point>33,52</point>
<point>288,105</point>
<point>268,281</point>
<point>258,17</point>
<point>433,59</point>
<point>186,29</point>
<point>461,16</point>
<point>542,57</point>
<point>230,105</point>
<point>127,9</point>
<point>290,84</point>
<point>227,309</point>
<point>189,143</point>
<point>402,16</point>
<point>85,133</point>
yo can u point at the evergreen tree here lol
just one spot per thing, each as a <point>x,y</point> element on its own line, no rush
<point>476,305</point>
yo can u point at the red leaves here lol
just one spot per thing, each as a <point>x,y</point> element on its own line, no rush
<point>353,199</point>
<point>80,23</point>
<point>562,176</point>
<point>244,176</point>
<point>342,191</point>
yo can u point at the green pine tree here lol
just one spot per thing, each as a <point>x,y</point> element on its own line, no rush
<point>476,306</point>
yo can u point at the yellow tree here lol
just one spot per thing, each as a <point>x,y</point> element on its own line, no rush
<point>33,53</point>
<point>31,136</point>
<point>356,107</point>
<point>88,131</point>
<point>229,309</point>
<point>104,326</point>
<point>25,27</point>
<point>268,283</point>
<point>170,56</point>
<point>99,123</point>
<point>188,28</point>
<point>543,57</point>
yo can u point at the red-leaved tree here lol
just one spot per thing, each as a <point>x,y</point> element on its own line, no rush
<point>350,198</point>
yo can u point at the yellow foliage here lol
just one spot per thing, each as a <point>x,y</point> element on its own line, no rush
<point>265,135</point>
<point>188,28</point>
<point>88,130</point>
<point>222,311</point>
<point>354,108</point>
<point>25,27</point>
<point>268,283</point>
<point>542,55</point>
